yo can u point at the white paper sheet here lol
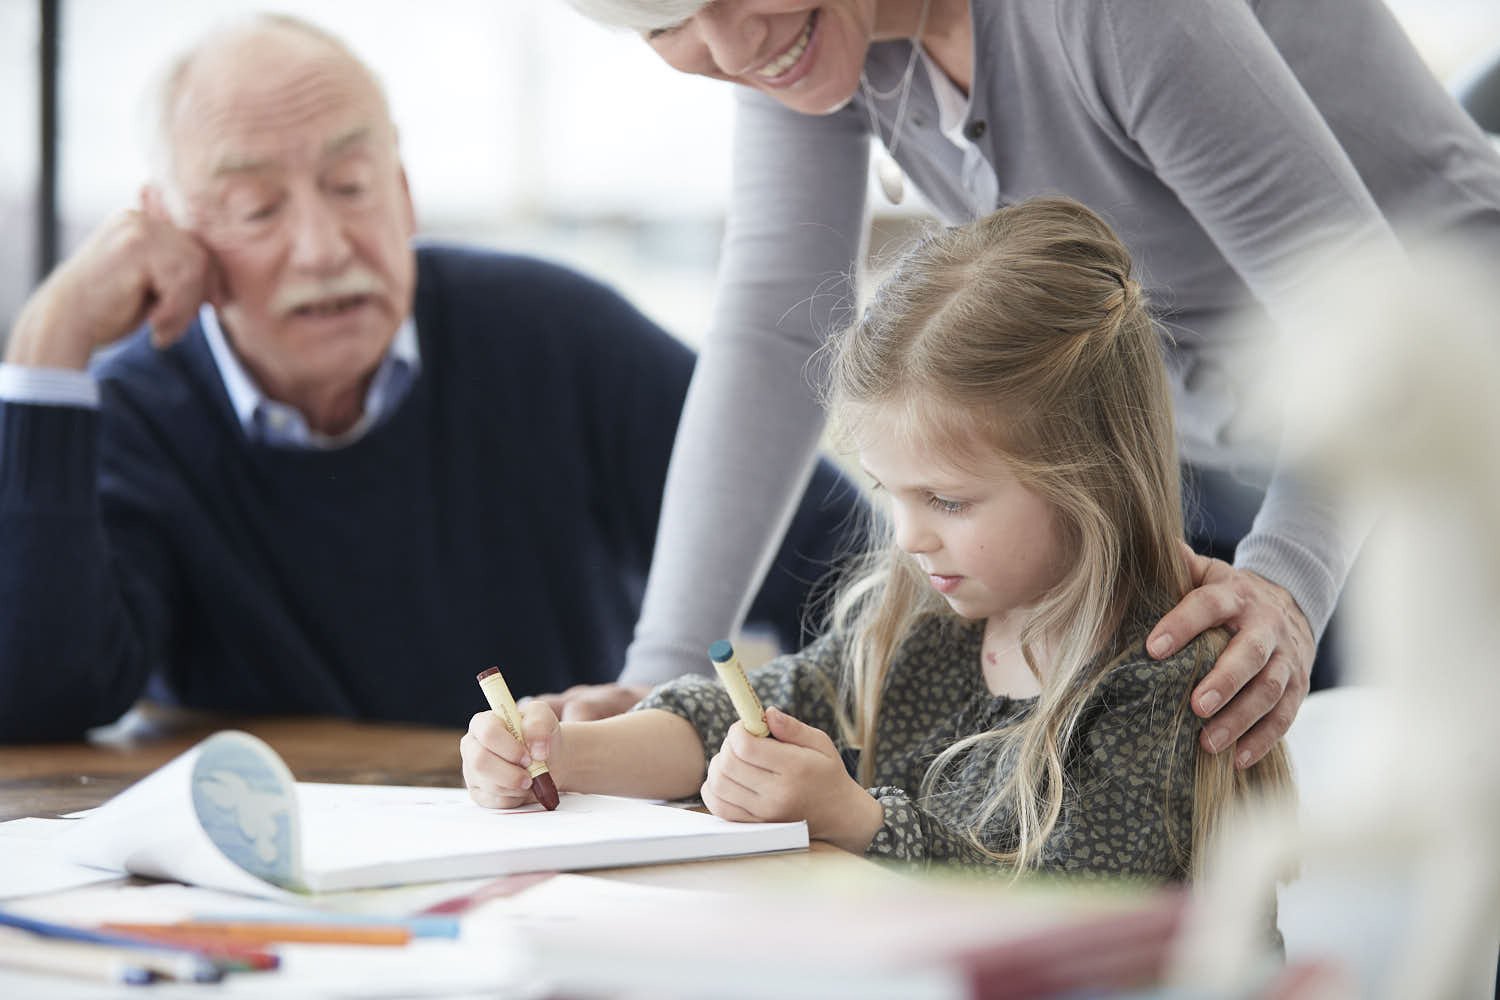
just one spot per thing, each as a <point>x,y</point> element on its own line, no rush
<point>228,815</point>
<point>221,815</point>
<point>32,861</point>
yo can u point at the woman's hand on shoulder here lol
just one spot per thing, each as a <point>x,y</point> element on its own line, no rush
<point>495,762</point>
<point>1261,677</point>
<point>796,773</point>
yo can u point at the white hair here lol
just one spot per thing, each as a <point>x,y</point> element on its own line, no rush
<point>639,15</point>
<point>160,110</point>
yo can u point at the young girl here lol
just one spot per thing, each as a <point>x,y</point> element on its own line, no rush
<point>982,694</point>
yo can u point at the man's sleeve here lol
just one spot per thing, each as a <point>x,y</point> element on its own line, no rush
<point>73,646</point>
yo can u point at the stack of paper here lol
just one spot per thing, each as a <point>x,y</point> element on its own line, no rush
<point>228,815</point>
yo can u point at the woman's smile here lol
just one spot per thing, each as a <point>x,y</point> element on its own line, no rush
<point>783,69</point>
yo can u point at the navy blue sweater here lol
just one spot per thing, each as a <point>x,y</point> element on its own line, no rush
<point>504,515</point>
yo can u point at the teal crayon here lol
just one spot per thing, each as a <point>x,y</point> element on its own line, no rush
<point>732,675</point>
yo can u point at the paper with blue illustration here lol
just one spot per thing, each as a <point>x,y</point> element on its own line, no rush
<point>228,814</point>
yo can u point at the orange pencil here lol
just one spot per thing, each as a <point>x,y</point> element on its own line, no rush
<point>257,932</point>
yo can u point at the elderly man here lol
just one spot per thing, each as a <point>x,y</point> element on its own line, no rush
<point>332,475</point>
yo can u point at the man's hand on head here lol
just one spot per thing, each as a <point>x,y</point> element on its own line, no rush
<point>586,702</point>
<point>137,267</point>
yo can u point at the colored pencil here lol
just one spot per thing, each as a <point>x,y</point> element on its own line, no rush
<point>505,885</point>
<point>421,926</point>
<point>26,952</point>
<point>255,932</point>
<point>114,960</point>
<point>200,961</point>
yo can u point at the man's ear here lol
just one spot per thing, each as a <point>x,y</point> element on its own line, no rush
<point>411,208</point>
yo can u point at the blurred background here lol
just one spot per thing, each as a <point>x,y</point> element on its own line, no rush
<point>523,127</point>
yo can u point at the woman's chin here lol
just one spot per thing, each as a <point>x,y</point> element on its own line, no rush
<point>811,103</point>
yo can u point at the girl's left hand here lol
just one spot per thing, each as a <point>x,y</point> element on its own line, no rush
<point>794,774</point>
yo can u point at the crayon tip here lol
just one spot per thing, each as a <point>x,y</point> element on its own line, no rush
<point>721,651</point>
<point>545,790</point>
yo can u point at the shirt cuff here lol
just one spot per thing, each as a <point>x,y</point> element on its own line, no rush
<point>900,836</point>
<point>48,386</point>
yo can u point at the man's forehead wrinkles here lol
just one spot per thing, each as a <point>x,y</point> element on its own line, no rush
<point>234,163</point>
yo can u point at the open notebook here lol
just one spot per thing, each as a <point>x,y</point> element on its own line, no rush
<point>227,814</point>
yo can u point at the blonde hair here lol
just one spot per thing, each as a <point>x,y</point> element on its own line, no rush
<point>1023,334</point>
<point>639,15</point>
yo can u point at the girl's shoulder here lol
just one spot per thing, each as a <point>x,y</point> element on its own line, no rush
<point>1133,674</point>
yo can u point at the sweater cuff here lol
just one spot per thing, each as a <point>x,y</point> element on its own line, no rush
<point>900,836</point>
<point>1305,539</point>
<point>48,457</point>
<point>1284,562</point>
<point>653,663</point>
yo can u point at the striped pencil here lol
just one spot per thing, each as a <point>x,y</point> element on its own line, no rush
<point>26,952</point>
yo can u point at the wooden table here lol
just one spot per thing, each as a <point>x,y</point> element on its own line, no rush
<point>54,778</point>
<point>58,778</point>
<point>48,780</point>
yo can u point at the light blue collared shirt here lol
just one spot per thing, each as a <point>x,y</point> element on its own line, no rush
<point>264,420</point>
<point>268,421</point>
<point>979,177</point>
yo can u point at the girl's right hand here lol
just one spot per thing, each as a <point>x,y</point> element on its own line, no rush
<point>495,762</point>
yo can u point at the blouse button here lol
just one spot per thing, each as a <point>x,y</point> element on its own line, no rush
<point>974,131</point>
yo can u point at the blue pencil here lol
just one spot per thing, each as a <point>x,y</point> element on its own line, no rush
<point>178,962</point>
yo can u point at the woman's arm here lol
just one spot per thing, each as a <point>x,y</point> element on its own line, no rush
<point>751,423</point>
<point>1215,104</point>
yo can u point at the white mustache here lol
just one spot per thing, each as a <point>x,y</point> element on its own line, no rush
<point>308,293</point>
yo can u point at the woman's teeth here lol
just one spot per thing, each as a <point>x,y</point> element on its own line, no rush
<point>789,58</point>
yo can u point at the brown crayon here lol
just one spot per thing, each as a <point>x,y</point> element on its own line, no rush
<point>498,695</point>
